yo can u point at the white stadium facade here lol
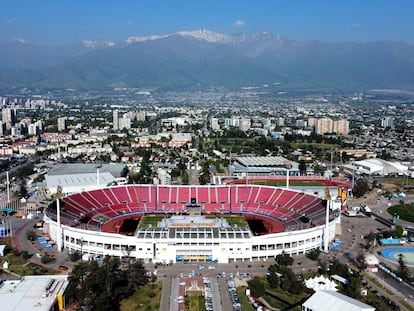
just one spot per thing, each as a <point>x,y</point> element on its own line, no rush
<point>195,222</point>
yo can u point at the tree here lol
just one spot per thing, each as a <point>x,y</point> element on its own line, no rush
<point>402,268</point>
<point>273,277</point>
<point>314,254</point>
<point>360,188</point>
<point>46,258</point>
<point>74,256</point>
<point>103,286</point>
<point>284,259</point>
<point>302,167</point>
<point>136,274</point>
<point>256,287</point>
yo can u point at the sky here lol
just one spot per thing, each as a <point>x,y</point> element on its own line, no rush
<point>59,22</point>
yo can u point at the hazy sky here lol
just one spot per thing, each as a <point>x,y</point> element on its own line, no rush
<point>55,22</point>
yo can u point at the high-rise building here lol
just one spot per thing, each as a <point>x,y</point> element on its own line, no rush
<point>115,120</point>
<point>124,123</point>
<point>163,177</point>
<point>61,123</point>
<point>244,124</point>
<point>8,115</point>
<point>341,127</point>
<point>312,122</point>
<point>387,122</point>
<point>214,124</point>
<point>32,129</point>
<point>323,126</point>
<point>280,121</point>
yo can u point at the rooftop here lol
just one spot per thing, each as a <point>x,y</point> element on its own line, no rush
<point>32,292</point>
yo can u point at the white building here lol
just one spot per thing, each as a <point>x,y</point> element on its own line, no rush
<point>34,292</point>
<point>376,166</point>
<point>163,177</point>
<point>214,124</point>
<point>115,124</point>
<point>61,123</point>
<point>124,123</point>
<point>327,300</point>
<point>76,177</point>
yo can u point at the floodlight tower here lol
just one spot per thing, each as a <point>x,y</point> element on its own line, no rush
<point>8,187</point>
<point>59,233</point>
<point>288,165</point>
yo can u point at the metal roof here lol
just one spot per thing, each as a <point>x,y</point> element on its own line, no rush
<point>327,300</point>
<point>29,293</point>
<point>78,179</point>
<point>115,169</point>
<point>275,161</point>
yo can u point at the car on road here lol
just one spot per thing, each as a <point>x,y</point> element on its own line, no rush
<point>63,268</point>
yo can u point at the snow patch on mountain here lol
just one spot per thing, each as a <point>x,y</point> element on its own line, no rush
<point>207,35</point>
<point>93,44</point>
<point>200,34</point>
<point>145,38</point>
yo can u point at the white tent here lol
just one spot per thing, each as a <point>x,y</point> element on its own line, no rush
<point>321,283</point>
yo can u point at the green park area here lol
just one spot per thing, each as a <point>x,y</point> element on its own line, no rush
<point>404,211</point>
<point>146,298</point>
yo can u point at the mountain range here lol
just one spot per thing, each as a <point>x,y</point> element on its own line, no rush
<point>208,59</point>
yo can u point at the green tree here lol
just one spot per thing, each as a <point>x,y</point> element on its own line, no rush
<point>103,286</point>
<point>46,258</point>
<point>273,277</point>
<point>284,259</point>
<point>402,267</point>
<point>257,287</point>
<point>360,188</point>
<point>302,167</point>
<point>74,256</point>
<point>314,254</point>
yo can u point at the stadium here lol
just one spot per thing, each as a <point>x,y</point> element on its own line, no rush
<point>168,224</point>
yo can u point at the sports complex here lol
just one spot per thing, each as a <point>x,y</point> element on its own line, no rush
<point>168,224</point>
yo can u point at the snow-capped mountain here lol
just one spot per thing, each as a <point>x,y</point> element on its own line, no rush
<point>201,34</point>
<point>202,57</point>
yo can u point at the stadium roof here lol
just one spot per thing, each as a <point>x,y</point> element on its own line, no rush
<point>194,233</point>
<point>29,293</point>
<point>263,161</point>
<point>327,300</point>
<point>78,179</point>
<point>115,169</point>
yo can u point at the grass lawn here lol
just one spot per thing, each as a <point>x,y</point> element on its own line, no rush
<point>146,298</point>
<point>195,302</point>
<point>246,306</point>
<point>401,181</point>
<point>290,298</point>
<point>405,211</point>
<point>33,269</point>
<point>146,221</point>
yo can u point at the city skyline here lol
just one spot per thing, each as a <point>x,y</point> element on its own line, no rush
<point>58,23</point>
